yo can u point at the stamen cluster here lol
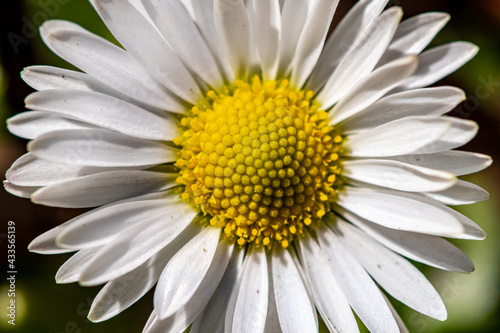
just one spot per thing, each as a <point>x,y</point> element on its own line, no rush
<point>260,160</point>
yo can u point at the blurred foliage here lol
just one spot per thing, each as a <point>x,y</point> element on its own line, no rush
<point>472,300</point>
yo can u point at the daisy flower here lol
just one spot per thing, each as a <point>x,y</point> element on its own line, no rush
<point>256,172</point>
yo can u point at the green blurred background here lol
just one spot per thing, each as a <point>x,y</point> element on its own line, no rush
<point>43,306</point>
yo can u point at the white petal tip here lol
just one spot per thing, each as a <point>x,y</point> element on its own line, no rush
<point>35,198</point>
<point>37,246</point>
<point>29,99</point>
<point>26,71</point>
<point>468,270</point>
<point>474,49</point>
<point>469,50</point>
<point>411,60</point>
<point>485,195</point>
<point>61,279</point>
<point>461,95</point>
<point>398,11</point>
<point>32,247</point>
<point>481,235</point>
<point>60,241</point>
<point>44,27</point>
<point>449,180</point>
<point>95,317</point>
<point>164,312</point>
<point>7,187</point>
<point>473,234</point>
<point>38,198</point>
<point>29,146</point>
<point>92,319</point>
<point>441,315</point>
<point>444,16</point>
<point>437,310</point>
<point>89,281</point>
<point>488,161</point>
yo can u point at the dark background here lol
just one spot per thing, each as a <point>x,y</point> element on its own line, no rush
<point>42,306</point>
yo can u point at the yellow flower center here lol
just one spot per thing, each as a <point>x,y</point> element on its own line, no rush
<point>260,160</point>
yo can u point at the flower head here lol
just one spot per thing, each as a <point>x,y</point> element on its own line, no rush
<point>261,161</point>
<point>256,174</point>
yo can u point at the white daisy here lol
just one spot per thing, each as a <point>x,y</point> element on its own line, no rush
<point>256,174</point>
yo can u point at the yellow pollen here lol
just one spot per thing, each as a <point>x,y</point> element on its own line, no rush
<point>260,160</point>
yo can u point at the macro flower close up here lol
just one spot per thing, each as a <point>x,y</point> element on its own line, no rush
<point>262,174</point>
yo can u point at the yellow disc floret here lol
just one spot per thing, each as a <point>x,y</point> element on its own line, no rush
<point>260,160</point>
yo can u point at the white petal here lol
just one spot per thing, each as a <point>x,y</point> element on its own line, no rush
<point>430,250</point>
<point>251,305</point>
<point>419,102</point>
<point>19,191</point>
<point>268,31</point>
<point>189,6</point>
<point>32,124</point>
<point>140,7</point>
<point>119,294</point>
<point>328,297</point>
<point>351,28</point>
<point>295,311</point>
<point>360,290</point>
<point>213,316</point>
<point>412,133</point>
<point>139,243</point>
<point>439,62</point>
<point>231,302</point>
<point>46,242</point>
<point>231,22</point>
<point>399,321</point>
<point>294,15</point>
<point>51,26</point>
<point>311,40</point>
<point>100,148</point>
<point>472,230</point>
<point>152,318</point>
<point>102,224</point>
<point>180,320</point>
<point>28,170</point>
<point>105,111</point>
<point>102,188</point>
<point>253,56</point>
<point>392,272</point>
<point>272,319</point>
<point>463,193</point>
<point>362,58</point>
<point>176,323</point>
<point>372,87</point>
<point>109,64</point>
<point>460,132</point>
<point>409,213</point>
<point>203,14</point>
<point>145,44</point>
<point>70,271</point>
<point>414,34</point>
<point>177,27</point>
<point>454,161</point>
<point>47,77</point>
<point>184,273</point>
<point>398,175</point>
